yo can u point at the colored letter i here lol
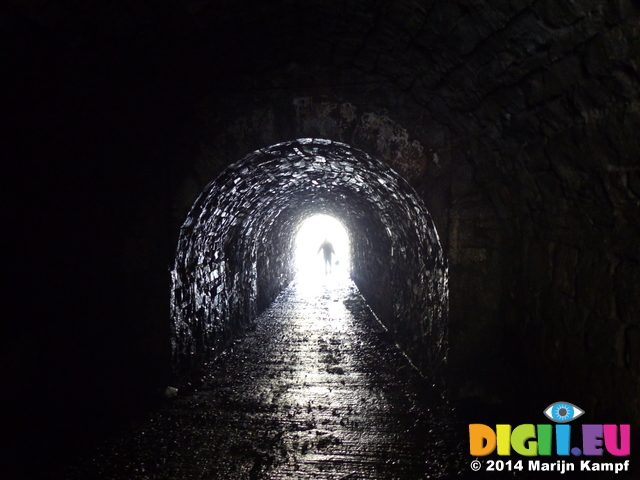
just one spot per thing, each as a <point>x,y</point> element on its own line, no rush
<point>563,439</point>
<point>544,439</point>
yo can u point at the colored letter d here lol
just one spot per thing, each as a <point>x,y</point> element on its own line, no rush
<point>482,440</point>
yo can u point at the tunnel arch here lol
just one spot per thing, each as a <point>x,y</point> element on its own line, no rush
<point>235,249</point>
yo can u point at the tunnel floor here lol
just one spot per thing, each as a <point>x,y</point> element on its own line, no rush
<point>316,389</point>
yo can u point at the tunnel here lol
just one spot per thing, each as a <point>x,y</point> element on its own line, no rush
<point>160,156</point>
<point>236,247</point>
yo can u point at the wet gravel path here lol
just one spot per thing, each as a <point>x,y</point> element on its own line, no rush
<point>316,390</point>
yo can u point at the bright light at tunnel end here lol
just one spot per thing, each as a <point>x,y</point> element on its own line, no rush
<point>309,262</point>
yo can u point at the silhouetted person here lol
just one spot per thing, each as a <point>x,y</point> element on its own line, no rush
<point>327,249</point>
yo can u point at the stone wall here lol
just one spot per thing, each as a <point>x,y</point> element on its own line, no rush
<point>235,248</point>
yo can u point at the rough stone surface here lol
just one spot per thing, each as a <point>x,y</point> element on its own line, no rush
<point>236,246</point>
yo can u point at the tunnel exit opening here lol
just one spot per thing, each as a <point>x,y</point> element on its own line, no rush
<point>310,259</point>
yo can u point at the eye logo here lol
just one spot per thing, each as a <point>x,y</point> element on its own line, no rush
<point>563,412</point>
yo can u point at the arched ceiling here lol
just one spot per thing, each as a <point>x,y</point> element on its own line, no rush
<point>524,78</point>
<point>469,62</point>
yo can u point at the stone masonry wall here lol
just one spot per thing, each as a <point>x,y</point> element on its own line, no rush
<point>232,256</point>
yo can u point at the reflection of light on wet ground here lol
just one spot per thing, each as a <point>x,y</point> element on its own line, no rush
<point>345,416</point>
<point>317,390</point>
<point>322,320</point>
<point>315,287</point>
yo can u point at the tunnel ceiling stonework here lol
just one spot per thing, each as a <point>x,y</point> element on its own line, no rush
<point>519,121</point>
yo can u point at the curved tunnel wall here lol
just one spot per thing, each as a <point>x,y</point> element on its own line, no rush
<point>235,248</point>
